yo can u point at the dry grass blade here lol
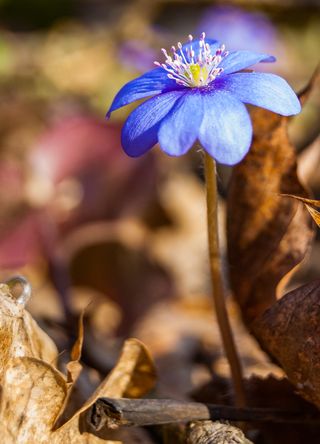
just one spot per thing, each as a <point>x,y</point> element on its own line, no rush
<point>309,204</point>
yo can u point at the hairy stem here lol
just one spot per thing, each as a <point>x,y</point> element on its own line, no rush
<point>217,282</point>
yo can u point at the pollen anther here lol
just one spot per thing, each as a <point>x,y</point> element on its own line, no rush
<point>193,68</point>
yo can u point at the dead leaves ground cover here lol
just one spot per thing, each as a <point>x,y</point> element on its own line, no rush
<point>269,234</point>
<point>35,395</point>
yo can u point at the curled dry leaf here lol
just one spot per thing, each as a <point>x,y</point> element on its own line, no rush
<point>267,234</point>
<point>133,376</point>
<point>290,331</point>
<point>34,392</point>
<point>20,335</point>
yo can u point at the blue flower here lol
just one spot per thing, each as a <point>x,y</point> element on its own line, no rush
<point>199,94</point>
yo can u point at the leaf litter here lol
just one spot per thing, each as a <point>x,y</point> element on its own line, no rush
<point>269,234</point>
<point>35,393</point>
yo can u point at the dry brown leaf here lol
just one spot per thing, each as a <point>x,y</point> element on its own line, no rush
<point>267,234</point>
<point>102,263</point>
<point>290,331</point>
<point>20,335</point>
<point>34,392</point>
<point>310,204</point>
<point>132,377</point>
<point>74,369</point>
<point>270,392</point>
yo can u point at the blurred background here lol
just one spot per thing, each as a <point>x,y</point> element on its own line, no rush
<point>126,238</point>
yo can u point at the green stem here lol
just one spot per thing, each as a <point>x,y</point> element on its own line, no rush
<point>217,282</point>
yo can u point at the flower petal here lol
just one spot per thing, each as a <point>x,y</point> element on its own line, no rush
<point>237,60</point>
<point>149,84</point>
<point>226,130</point>
<point>180,128</point>
<point>140,131</point>
<point>266,90</point>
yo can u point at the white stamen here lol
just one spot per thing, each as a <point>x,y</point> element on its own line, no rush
<point>193,67</point>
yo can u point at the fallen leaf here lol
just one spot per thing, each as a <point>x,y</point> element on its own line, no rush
<point>104,261</point>
<point>269,392</point>
<point>20,335</point>
<point>20,241</point>
<point>132,377</point>
<point>34,393</point>
<point>69,147</point>
<point>84,153</point>
<point>290,331</point>
<point>267,234</point>
<point>310,204</point>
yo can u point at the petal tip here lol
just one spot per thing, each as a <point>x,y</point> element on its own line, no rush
<point>269,59</point>
<point>298,109</point>
<point>130,154</point>
<point>294,108</point>
<point>172,152</point>
<point>130,150</point>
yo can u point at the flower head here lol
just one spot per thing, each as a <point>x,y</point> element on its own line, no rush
<point>199,93</point>
<point>193,68</point>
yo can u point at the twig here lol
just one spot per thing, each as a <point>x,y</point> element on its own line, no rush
<point>113,413</point>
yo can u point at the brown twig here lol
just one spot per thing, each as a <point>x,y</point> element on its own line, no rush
<point>113,413</point>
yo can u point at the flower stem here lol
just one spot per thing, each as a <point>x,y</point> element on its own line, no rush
<point>217,282</point>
